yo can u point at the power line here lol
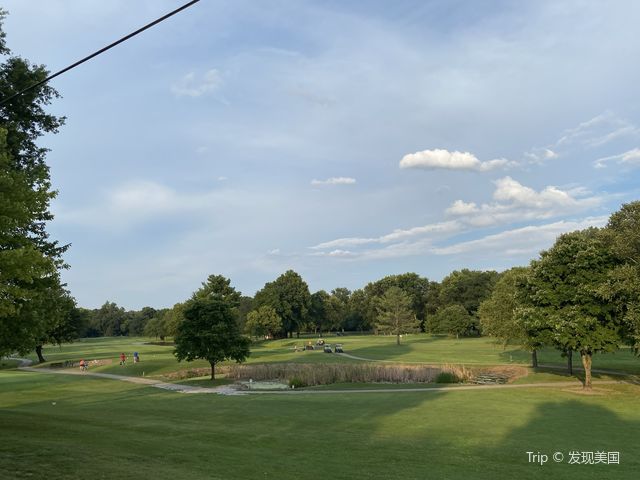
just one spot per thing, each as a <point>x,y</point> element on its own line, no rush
<point>102,50</point>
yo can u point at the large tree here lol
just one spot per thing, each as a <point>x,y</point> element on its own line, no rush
<point>29,260</point>
<point>289,296</point>
<point>210,329</point>
<point>623,285</point>
<point>455,320</point>
<point>415,286</point>
<point>319,311</point>
<point>395,315</point>
<point>498,312</point>
<point>467,288</point>
<point>505,316</point>
<point>564,291</point>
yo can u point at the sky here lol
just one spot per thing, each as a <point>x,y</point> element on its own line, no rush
<point>344,140</point>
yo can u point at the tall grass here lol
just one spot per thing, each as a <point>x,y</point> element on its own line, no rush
<point>325,374</point>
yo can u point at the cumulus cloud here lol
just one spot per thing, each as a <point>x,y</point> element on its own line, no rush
<point>334,181</point>
<point>631,158</point>
<point>459,207</point>
<point>444,159</point>
<point>192,85</point>
<point>517,202</point>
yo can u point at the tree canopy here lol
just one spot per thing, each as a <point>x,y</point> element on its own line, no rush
<point>395,315</point>
<point>210,330</point>
<point>290,298</point>
<point>33,300</point>
<point>563,290</point>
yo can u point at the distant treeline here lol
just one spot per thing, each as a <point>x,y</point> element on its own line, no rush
<point>297,310</point>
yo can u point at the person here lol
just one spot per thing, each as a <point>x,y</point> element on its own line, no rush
<point>123,358</point>
<point>83,365</point>
<point>136,357</point>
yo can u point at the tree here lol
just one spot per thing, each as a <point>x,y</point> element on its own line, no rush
<point>318,311</point>
<point>156,327</point>
<point>172,319</point>
<point>136,322</point>
<point>467,288</point>
<point>210,330</point>
<point>263,322</point>
<point>505,314</point>
<point>360,307</point>
<point>622,288</point>
<point>394,313</point>
<point>564,290</point>
<point>497,313</point>
<point>29,260</point>
<point>455,320</point>
<point>110,319</point>
<point>289,296</point>
<point>338,308</point>
<point>415,286</point>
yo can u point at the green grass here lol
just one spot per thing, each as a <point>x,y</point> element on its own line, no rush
<point>106,429</point>
<point>158,360</point>
<point>8,364</point>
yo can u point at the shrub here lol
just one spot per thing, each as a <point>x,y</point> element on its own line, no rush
<point>296,382</point>
<point>447,377</point>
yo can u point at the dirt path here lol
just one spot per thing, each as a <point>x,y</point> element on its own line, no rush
<point>231,390</point>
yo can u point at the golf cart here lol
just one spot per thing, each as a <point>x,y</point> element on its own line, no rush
<point>338,348</point>
<point>327,349</point>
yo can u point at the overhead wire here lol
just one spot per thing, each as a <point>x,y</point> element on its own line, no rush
<point>98,52</point>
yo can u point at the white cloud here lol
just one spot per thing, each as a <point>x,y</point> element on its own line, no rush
<point>598,131</point>
<point>631,157</point>
<point>517,202</point>
<point>334,181</point>
<point>539,155</point>
<point>521,241</point>
<point>442,228</point>
<point>459,207</point>
<point>193,86</point>
<point>444,159</point>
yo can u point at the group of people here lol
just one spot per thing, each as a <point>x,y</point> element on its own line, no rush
<point>84,364</point>
<point>123,358</point>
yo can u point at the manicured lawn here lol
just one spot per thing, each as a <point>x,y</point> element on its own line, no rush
<point>69,427</point>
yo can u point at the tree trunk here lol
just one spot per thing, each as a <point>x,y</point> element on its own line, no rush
<point>41,359</point>
<point>570,362</point>
<point>534,358</point>
<point>213,370</point>
<point>398,339</point>
<point>586,363</point>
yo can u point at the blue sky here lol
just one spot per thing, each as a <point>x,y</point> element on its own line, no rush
<point>345,140</point>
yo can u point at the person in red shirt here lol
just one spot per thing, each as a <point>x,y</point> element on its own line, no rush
<point>83,365</point>
<point>123,359</point>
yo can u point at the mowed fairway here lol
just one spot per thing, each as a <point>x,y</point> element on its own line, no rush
<point>69,427</point>
<point>158,359</point>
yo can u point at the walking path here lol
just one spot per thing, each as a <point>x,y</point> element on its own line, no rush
<point>231,390</point>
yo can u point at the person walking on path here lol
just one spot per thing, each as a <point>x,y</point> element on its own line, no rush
<point>123,359</point>
<point>83,365</point>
